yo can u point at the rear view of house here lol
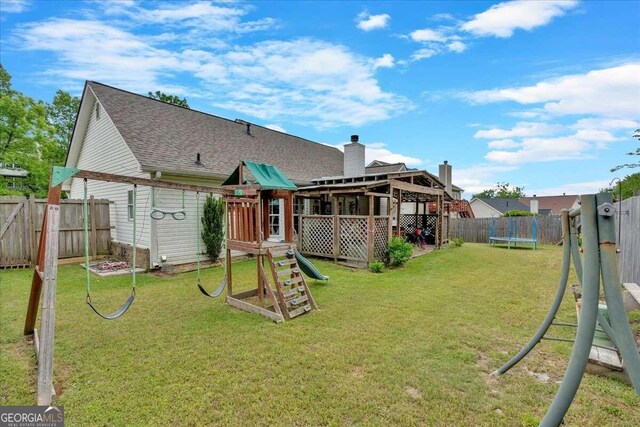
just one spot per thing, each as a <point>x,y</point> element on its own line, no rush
<point>128,134</point>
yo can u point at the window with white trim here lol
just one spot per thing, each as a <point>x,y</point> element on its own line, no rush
<point>130,205</point>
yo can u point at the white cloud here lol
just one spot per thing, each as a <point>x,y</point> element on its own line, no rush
<point>522,129</point>
<point>275,127</point>
<point>306,81</point>
<point>310,81</point>
<point>611,92</point>
<point>368,22</point>
<point>502,19</point>
<point>380,151</point>
<point>14,6</point>
<point>477,178</point>
<point>610,124</point>
<point>542,150</point>
<point>427,35</point>
<point>503,144</point>
<point>589,187</point>
<point>457,46</point>
<point>203,16</point>
<point>385,61</point>
<point>424,53</point>
<point>443,17</point>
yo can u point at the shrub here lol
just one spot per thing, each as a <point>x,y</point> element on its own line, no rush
<point>515,212</point>
<point>399,252</point>
<point>456,242</point>
<point>212,226</point>
<point>376,267</point>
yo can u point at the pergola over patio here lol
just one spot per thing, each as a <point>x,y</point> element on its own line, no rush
<point>352,218</point>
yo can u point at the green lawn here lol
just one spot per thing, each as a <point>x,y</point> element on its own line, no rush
<point>412,346</point>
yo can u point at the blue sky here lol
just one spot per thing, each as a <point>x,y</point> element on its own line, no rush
<point>544,95</point>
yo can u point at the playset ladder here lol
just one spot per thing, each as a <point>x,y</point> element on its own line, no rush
<point>292,291</point>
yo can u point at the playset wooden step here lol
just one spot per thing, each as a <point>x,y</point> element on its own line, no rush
<point>292,291</point>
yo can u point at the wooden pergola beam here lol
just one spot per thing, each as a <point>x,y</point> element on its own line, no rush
<point>414,188</point>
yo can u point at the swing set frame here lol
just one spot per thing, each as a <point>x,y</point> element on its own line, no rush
<point>44,280</point>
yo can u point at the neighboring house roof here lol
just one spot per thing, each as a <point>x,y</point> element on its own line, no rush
<point>554,203</point>
<point>545,212</point>
<point>378,166</point>
<point>503,205</point>
<point>164,137</point>
<point>12,171</point>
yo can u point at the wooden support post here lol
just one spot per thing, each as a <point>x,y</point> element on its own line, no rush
<point>229,275</point>
<point>439,223</point>
<point>371,231</point>
<point>288,218</point>
<point>265,218</point>
<point>336,228</point>
<point>36,281</point>
<point>94,235</point>
<point>416,215</point>
<point>301,204</point>
<point>261,284</point>
<point>399,212</point>
<point>45,356</point>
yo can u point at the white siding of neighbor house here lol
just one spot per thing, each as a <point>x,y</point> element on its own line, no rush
<point>104,150</point>
<point>482,210</point>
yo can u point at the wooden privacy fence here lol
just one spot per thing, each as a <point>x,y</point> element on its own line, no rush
<point>629,241</point>
<point>21,224</point>
<point>476,230</point>
<point>348,237</point>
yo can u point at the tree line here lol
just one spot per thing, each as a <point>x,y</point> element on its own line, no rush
<point>35,135</point>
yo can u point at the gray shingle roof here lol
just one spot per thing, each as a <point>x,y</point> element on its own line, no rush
<point>503,205</point>
<point>166,137</point>
<point>382,167</point>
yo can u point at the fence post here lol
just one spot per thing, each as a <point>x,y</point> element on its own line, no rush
<point>33,212</point>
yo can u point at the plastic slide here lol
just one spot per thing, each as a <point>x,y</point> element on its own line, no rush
<point>308,268</point>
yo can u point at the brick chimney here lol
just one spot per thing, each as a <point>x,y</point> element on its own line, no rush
<point>354,158</point>
<point>444,173</point>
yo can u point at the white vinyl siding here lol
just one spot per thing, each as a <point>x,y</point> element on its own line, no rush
<point>482,210</point>
<point>177,239</point>
<point>104,150</point>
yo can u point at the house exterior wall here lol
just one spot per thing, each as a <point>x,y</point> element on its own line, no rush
<point>176,239</point>
<point>482,210</point>
<point>104,150</point>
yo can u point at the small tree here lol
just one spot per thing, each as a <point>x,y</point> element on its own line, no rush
<point>503,190</point>
<point>212,226</point>
<point>170,99</point>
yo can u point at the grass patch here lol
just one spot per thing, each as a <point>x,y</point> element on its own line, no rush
<point>413,346</point>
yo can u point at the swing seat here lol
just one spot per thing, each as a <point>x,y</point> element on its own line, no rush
<point>216,293</point>
<point>119,312</point>
<point>159,214</point>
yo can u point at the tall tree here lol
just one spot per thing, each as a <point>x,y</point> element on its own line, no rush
<point>61,115</point>
<point>25,135</point>
<point>629,184</point>
<point>171,99</point>
<point>636,135</point>
<point>503,190</point>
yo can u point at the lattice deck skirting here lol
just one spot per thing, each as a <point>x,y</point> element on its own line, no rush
<point>350,240</point>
